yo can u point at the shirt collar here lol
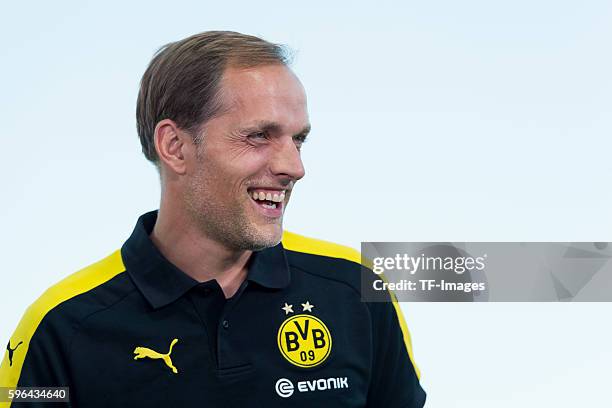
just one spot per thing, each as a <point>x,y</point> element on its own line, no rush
<point>161,282</point>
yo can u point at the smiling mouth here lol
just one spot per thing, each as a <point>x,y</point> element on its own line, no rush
<point>267,198</point>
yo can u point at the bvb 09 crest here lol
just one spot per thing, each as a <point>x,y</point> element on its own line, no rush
<point>303,339</point>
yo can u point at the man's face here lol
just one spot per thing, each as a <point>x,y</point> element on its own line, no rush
<point>242,174</point>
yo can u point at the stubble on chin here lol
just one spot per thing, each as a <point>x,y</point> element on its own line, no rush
<point>230,225</point>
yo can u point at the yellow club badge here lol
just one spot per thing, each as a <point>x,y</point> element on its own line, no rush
<point>303,339</point>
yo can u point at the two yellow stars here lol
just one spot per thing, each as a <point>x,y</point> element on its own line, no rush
<point>289,308</point>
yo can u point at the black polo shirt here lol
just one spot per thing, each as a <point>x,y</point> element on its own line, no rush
<point>134,330</point>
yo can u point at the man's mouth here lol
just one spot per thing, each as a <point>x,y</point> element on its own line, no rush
<point>268,198</point>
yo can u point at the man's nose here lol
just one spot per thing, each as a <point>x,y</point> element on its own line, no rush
<point>287,160</point>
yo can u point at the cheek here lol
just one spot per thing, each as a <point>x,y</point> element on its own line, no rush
<point>251,165</point>
<point>233,166</point>
<point>227,180</point>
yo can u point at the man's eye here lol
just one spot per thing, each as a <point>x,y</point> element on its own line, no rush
<point>258,135</point>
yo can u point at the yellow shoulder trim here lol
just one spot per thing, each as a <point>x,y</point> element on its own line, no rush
<point>299,243</point>
<point>406,334</point>
<point>71,286</point>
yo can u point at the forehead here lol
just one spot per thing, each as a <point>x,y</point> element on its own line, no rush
<point>270,92</point>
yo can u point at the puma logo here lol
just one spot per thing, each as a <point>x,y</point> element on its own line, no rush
<point>11,351</point>
<point>142,352</point>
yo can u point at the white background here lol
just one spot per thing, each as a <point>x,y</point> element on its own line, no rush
<point>432,121</point>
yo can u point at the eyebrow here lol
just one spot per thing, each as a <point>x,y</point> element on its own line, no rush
<point>275,127</point>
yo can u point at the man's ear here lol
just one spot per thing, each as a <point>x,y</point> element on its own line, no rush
<point>171,144</point>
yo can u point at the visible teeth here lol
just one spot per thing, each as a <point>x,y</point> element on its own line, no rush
<point>273,205</point>
<point>274,197</point>
<point>277,198</point>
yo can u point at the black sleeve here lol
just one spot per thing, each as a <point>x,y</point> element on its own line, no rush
<point>37,360</point>
<point>395,378</point>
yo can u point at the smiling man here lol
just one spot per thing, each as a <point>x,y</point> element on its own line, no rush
<point>209,302</point>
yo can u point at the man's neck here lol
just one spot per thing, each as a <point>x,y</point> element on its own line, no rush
<point>197,255</point>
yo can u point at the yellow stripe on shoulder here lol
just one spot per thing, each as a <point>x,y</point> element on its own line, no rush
<point>71,286</point>
<point>406,335</point>
<point>300,243</point>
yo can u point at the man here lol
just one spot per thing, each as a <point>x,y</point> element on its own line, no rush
<point>204,305</point>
